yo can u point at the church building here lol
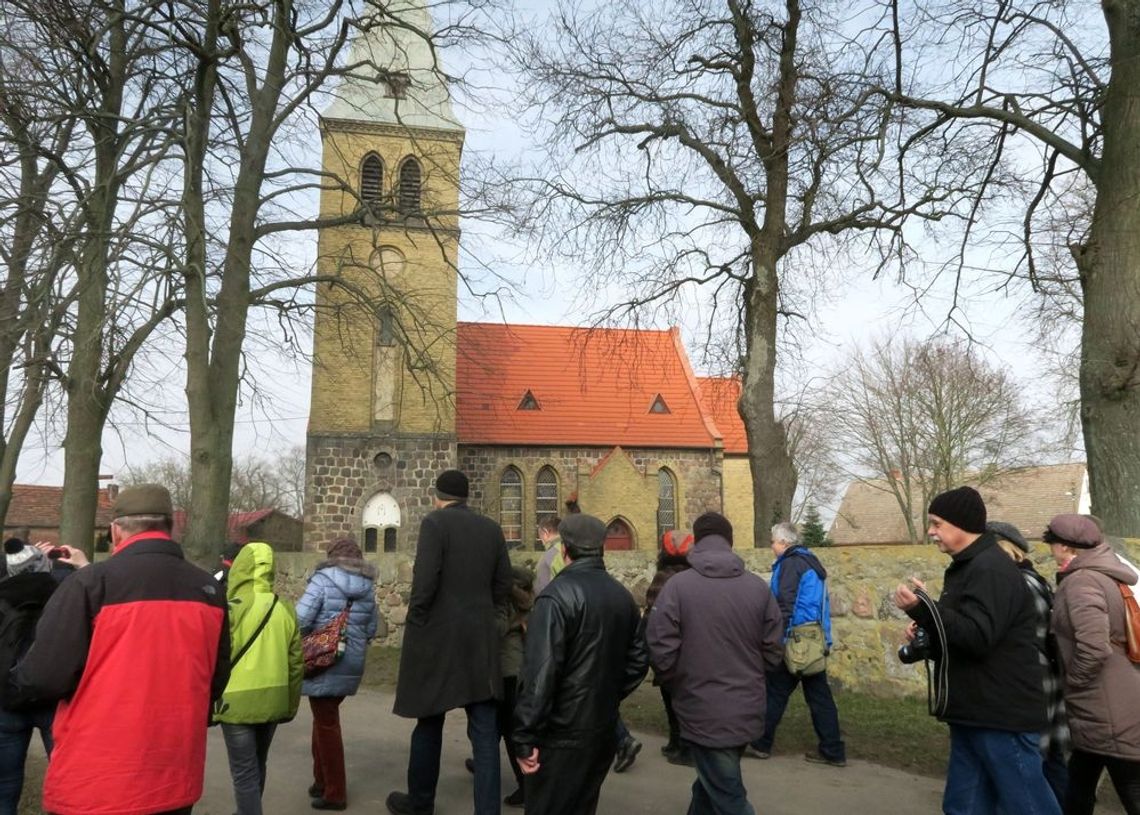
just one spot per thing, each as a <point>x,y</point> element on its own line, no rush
<point>535,415</point>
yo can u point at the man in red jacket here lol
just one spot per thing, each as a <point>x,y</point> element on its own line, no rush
<point>135,649</point>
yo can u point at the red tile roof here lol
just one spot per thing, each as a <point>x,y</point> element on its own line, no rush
<point>237,526</point>
<point>719,395</point>
<point>593,386</point>
<point>38,507</point>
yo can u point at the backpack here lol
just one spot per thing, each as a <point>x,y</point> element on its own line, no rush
<point>17,631</point>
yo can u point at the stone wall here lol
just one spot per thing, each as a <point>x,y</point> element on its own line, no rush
<point>867,626</point>
<point>344,471</point>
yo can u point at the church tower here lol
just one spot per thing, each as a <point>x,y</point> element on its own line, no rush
<point>382,414</point>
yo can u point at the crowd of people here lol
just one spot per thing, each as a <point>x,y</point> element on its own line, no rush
<point>1037,686</point>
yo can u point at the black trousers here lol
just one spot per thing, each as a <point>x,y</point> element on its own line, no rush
<point>1084,772</point>
<point>569,780</point>
<point>507,722</point>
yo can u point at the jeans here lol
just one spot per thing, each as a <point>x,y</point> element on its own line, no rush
<point>719,789</point>
<point>247,746</point>
<point>328,748</point>
<point>621,732</point>
<point>996,770</point>
<point>427,745</point>
<point>1084,773</point>
<point>15,736</point>
<point>824,714</point>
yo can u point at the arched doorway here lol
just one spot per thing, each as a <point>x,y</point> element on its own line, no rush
<point>619,536</point>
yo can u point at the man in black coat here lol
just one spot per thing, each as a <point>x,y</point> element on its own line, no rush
<point>584,654</point>
<point>450,654</point>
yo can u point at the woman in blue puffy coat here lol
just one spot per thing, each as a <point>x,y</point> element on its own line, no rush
<point>342,578</point>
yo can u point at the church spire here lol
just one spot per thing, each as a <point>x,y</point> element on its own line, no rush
<point>395,74</point>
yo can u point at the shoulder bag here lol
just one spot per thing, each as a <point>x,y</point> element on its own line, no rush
<point>323,647</point>
<point>1131,622</point>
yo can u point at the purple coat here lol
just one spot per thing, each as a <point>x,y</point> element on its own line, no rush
<point>713,632</point>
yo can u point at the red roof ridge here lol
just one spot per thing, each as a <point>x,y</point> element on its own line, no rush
<point>586,329</point>
<point>695,389</point>
<point>604,460</point>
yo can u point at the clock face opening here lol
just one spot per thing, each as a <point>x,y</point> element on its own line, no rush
<point>388,261</point>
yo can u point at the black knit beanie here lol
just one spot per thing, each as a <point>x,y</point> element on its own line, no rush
<point>451,485</point>
<point>962,507</point>
<point>712,523</point>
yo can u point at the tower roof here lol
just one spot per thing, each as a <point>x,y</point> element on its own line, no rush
<point>395,75</point>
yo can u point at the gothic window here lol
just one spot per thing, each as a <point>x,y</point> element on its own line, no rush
<point>385,328</point>
<point>370,540</point>
<point>659,405</point>
<point>666,502</point>
<point>545,500</point>
<point>371,179</point>
<point>380,518</point>
<point>390,539</point>
<point>510,506</point>
<point>411,177</point>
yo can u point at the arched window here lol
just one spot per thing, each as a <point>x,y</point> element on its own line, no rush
<point>510,506</point>
<point>666,502</point>
<point>371,179</point>
<point>381,515</point>
<point>410,179</point>
<point>545,500</point>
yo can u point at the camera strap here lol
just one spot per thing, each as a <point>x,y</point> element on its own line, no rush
<point>937,682</point>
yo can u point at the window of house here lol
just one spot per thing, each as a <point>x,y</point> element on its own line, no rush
<point>371,179</point>
<point>545,500</point>
<point>390,539</point>
<point>396,85</point>
<point>370,540</point>
<point>411,177</point>
<point>658,405</point>
<point>666,502</point>
<point>385,328</point>
<point>528,402</point>
<point>510,506</point>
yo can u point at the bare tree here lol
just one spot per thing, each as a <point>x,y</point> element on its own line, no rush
<point>920,418</point>
<point>721,145</point>
<point>1051,87</point>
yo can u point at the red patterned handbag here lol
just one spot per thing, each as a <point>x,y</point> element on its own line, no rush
<point>323,647</point>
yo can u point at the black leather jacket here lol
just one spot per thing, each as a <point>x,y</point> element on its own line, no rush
<point>584,654</point>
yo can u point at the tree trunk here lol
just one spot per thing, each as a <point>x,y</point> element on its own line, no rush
<point>773,473</point>
<point>1110,349</point>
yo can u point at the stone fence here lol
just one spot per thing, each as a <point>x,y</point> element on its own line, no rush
<point>867,627</point>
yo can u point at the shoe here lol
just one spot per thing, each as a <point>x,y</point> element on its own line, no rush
<point>752,752</point>
<point>469,763</point>
<point>515,799</point>
<point>321,803</point>
<point>682,758</point>
<point>316,791</point>
<point>626,754</point>
<point>670,749</point>
<point>816,758</point>
<point>400,803</point>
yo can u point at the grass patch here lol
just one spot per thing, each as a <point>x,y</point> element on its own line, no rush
<point>894,732</point>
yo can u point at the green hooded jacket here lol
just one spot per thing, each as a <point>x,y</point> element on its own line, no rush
<point>265,684</point>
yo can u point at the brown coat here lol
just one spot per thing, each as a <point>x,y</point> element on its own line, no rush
<point>1102,686</point>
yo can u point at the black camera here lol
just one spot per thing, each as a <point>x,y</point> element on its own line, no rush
<point>917,649</point>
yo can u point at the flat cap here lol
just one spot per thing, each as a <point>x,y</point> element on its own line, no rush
<point>1079,531</point>
<point>582,535</point>
<point>1010,532</point>
<point>143,499</point>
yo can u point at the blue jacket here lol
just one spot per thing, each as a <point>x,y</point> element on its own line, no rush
<point>326,595</point>
<point>800,583</point>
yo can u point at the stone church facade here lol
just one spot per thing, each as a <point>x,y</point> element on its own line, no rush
<point>535,415</point>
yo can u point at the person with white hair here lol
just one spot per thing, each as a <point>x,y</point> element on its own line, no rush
<point>799,582</point>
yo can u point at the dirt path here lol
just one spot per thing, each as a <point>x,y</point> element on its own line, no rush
<point>376,746</point>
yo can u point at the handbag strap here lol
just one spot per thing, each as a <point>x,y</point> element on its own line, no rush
<point>260,627</point>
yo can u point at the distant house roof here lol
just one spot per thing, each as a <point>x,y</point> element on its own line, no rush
<point>592,387</point>
<point>1026,497</point>
<point>237,526</point>
<point>35,506</point>
<point>719,395</point>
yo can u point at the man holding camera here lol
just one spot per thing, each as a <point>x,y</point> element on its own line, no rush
<point>982,634</point>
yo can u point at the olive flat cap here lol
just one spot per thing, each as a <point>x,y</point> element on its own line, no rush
<point>582,535</point>
<point>143,499</point>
